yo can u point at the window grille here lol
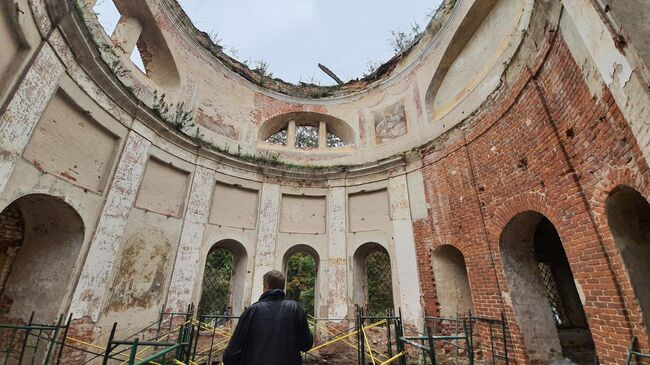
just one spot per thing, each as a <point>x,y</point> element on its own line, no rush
<point>217,281</point>
<point>553,295</point>
<point>379,283</point>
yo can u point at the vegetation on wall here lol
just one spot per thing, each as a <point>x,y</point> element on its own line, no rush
<point>180,117</point>
<point>174,114</point>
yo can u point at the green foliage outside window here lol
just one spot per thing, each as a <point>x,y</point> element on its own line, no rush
<point>301,280</point>
<point>379,283</point>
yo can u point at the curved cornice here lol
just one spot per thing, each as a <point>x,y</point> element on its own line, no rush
<point>72,25</point>
<point>185,27</point>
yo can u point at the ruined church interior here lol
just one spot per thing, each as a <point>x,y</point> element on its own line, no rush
<point>480,198</point>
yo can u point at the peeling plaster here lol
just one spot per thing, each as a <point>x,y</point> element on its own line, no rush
<point>94,281</point>
<point>405,256</point>
<point>186,266</point>
<point>337,276</point>
<point>26,107</point>
<point>266,235</point>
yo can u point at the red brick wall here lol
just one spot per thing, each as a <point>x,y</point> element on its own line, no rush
<point>12,231</point>
<point>423,249</point>
<point>546,145</point>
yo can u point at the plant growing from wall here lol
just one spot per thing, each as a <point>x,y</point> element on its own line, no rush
<point>174,114</point>
<point>262,68</point>
<point>401,41</point>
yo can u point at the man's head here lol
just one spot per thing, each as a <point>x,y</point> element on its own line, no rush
<point>273,279</point>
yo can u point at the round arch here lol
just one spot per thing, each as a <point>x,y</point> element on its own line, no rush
<point>628,217</point>
<point>225,275</point>
<point>335,126</point>
<point>537,271</point>
<point>38,256</point>
<point>372,275</point>
<point>301,265</point>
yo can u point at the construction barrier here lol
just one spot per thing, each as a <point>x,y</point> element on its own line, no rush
<point>188,339</point>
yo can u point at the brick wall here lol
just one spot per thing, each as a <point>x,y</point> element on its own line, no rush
<point>12,231</point>
<point>545,145</point>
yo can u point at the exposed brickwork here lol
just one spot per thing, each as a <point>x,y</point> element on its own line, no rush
<point>12,232</point>
<point>82,329</point>
<point>547,145</point>
<point>12,227</point>
<point>423,249</point>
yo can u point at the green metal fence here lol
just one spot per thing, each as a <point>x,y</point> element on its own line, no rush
<point>33,342</point>
<point>633,355</point>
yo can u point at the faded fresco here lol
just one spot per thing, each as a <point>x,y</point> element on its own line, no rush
<point>390,123</point>
<point>140,279</point>
<point>216,124</point>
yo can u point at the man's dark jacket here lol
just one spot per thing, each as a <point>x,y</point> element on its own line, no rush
<point>272,331</point>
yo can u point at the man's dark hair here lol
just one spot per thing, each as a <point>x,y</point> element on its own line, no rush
<point>274,279</point>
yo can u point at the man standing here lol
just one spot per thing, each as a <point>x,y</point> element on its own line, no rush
<point>272,331</point>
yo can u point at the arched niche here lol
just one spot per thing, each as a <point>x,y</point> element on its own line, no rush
<point>543,292</point>
<point>224,276</point>
<point>372,275</point>
<point>301,265</point>
<point>39,255</point>
<point>476,47</point>
<point>452,281</point>
<point>628,216</point>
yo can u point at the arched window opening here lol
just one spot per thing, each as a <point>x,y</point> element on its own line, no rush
<point>452,281</point>
<point>379,283</point>
<point>306,137</point>
<point>628,216</point>
<point>217,283</point>
<point>38,230</point>
<point>555,274</point>
<point>302,270</point>
<point>224,278</point>
<point>306,131</point>
<point>372,275</point>
<point>537,271</point>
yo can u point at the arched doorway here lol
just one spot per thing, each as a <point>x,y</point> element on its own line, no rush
<point>452,282</point>
<point>301,269</point>
<point>224,277</point>
<point>39,248</point>
<point>537,271</point>
<point>373,279</point>
<point>628,216</point>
